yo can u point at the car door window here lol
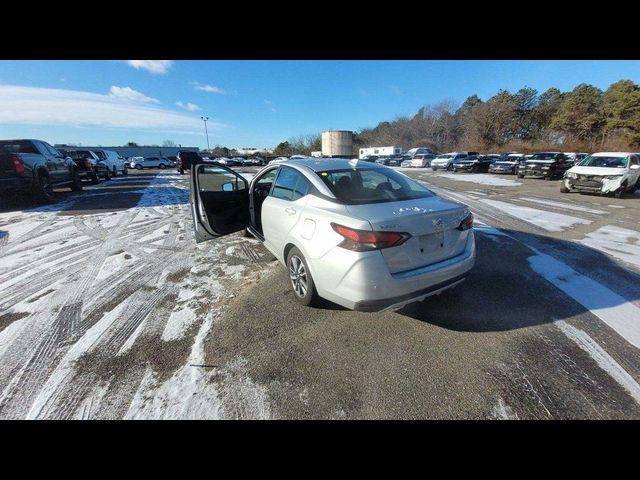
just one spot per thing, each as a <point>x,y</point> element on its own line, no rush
<point>285,186</point>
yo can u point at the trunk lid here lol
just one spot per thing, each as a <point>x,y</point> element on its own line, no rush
<point>432,223</point>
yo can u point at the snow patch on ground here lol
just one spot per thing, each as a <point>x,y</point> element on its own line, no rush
<point>482,179</point>
<point>566,206</point>
<point>189,394</point>
<point>552,222</point>
<point>602,358</point>
<point>502,411</point>
<point>614,310</point>
<point>618,242</point>
<point>178,323</point>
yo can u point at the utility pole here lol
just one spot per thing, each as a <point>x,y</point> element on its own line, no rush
<point>206,131</point>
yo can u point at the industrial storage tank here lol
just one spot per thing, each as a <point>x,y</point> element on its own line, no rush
<point>337,143</point>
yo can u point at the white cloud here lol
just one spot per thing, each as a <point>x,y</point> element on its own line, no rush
<point>191,107</point>
<point>154,66</point>
<point>55,107</point>
<point>208,88</point>
<point>128,93</point>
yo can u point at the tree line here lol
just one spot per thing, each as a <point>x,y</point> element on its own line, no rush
<point>583,119</point>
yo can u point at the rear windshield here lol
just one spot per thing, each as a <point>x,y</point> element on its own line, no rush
<point>362,186</point>
<point>17,146</point>
<point>78,154</point>
<point>611,162</point>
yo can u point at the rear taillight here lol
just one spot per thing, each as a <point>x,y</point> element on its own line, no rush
<point>365,240</point>
<point>467,223</point>
<point>18,164</point>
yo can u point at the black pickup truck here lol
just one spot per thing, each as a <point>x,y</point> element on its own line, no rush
<point>184,160</point>
<point>35,166</point>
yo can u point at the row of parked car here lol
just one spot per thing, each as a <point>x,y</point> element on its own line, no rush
<point>28,165</point>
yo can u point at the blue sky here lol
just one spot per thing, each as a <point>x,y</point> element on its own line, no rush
<point>253,103</point>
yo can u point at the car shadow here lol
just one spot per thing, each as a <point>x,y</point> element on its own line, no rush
<point>503,292</point>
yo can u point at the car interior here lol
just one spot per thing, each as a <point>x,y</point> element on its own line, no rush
<point>224,199</point>
<point>261,189</point>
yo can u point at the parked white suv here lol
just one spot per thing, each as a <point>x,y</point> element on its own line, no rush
<point>359,234</point>
<point>604,172</point>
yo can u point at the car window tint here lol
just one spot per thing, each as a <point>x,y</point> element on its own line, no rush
<point>285,184</point>
<point>301,189</point>
<point>17,146</point>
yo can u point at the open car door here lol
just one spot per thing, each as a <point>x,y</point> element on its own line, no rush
<point>219,201</point>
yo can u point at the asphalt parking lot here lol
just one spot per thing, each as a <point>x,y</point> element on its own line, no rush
<point>109,309</point>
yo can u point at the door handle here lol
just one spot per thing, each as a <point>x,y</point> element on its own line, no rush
<point>290,211</point>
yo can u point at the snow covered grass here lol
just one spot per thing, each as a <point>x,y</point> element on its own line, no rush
<point>480,178</point>
<point>552,222</point>
<point>618,242</point>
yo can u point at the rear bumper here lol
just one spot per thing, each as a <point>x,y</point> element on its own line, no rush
<point>364,283</point>
<point>463,167</point>
<point>15,184</point>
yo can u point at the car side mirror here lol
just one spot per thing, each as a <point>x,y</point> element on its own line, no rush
<point>634,167</point>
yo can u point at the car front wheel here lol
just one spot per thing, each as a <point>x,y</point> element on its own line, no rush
<point>304,290</point>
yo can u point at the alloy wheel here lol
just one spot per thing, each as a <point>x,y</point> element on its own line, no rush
<point>298,275</point>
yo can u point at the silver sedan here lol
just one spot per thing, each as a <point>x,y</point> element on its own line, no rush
<point>356,233</point>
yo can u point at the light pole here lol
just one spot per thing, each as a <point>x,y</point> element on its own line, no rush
<point>206,131</point>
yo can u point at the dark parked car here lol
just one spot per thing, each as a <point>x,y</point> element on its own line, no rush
<point>89,166</point>
<point>474,163</point>
<point>391,160</point>
<point>507,163</point>
<point>185,158</point>
<point>547,165</point>
<point>35,166</point>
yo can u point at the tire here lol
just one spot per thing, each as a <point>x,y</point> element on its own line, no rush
<point>620,192</point>
<point>43,189</point>
<point>304,289</point>
<point>125,171</point>
<point>564,189</point>
<point>138,167</point>
<point>114,173</point>
<point>95,179</point>
<point>181,171</point>
<point>520,176</point>
<point>162,166</point>
<point>474,169</point>
<point>450,167</point>
<point>107,175</point>
<point>76,185</point>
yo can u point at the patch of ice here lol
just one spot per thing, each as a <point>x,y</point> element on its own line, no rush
<point>482,179</point>
<point>618,242</point>
<point>616,206</point>
<point>552,222</point>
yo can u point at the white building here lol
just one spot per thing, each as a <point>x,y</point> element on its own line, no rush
<point>379,151</point>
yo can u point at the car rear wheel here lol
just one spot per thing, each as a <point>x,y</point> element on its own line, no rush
<point>138,167</point>
<point>44,189</point>
<point>304,290</point>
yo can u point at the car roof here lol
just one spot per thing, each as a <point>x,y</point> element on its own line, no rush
<point>611,154</point>
<point>326,164</point>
